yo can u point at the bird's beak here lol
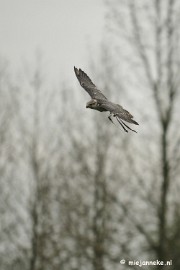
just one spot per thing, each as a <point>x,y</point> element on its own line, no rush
<point>87,106</point>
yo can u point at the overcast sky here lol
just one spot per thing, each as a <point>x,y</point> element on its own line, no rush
<point>63,29</point>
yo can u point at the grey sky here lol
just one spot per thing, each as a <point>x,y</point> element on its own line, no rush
<point>63,29</point>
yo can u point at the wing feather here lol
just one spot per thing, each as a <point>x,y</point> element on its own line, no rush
<point>88,85</point>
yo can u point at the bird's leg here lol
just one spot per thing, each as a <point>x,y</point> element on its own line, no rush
<point>110,117</point>
<point>124,126</point>
<point>128,127</point>
<point>121,123</point>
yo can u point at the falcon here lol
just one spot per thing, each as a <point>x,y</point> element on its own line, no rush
<point>100,103</point>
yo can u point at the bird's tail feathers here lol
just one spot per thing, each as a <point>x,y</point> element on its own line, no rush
<point>134,122</point>
<point>126,117</point>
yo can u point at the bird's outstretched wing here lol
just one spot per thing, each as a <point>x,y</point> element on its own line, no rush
<point>88,85</point>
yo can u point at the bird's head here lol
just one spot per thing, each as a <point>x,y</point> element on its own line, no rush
<point>91,104</point>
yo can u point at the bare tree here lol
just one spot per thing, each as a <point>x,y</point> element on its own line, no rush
<point>14,227</point>
<point>35,127</point>
<point>88,183</point>
<point>151,32</point>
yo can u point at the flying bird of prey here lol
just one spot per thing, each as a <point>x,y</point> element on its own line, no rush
<point>100,103</point>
